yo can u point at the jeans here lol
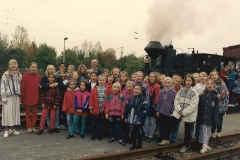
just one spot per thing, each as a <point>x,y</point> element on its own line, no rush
<point>75,123</point>
<point>31,115</point>
<point>219,126</point>
<point>70,121</point>
<point>229,85</point>
<point>44,115</point>
<point>62,118</point>
<point>98,124</point>
<point>115,127</point>
<point>149,127</point>
<point>56,119</point>
<point>136,135</point>
<point>174,131</point>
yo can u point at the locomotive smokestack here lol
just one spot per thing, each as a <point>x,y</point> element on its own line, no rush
<point>154,49</point>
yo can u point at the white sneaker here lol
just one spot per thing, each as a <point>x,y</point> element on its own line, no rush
<point>219,134</point>
<point>5,134</point>
<point>213,135</point>
<point>204,149</point>
<point>183,149</point>
<point>63,127</point>
<point>34,130</point>
<point>164,142</point>
<point>29,130</point>
<point>14,132</point>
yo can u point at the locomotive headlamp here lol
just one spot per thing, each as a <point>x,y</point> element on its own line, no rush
<point>209,56</point>
<point>147,60</point>
<point>198,69</point>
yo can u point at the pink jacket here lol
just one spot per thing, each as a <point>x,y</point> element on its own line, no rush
<point>115,105</point>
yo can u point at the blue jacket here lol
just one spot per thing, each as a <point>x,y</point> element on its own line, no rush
<point>208,108</point>
<point>136,110</point>
<point>231,75</point>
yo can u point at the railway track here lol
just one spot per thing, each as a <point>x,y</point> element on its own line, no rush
<point>163,150</point>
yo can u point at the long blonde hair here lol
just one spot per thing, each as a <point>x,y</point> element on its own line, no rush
<point>9,69</point>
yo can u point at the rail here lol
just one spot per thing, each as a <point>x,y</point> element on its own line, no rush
<point>153,151</point>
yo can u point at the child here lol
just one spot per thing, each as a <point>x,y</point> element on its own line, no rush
<point>223,93</point>
<point>49,100</point>
<point>139,80</point>
<point>177,81</point>
<point>235,90</point>
<point>106,72</point>
<point>75,78</point>
<point>158,77</point>
<point>133,77</point>
<point>186,103</point>
<point>207,114</point>
<point>114,113</point>
<point>161,78</point>
<point>61,66</point>
<point>154,91</point>
<point>97,97</point>
<point>70,71</point>
<point>30,96</point>
<point>164,109</point>
<point>196,77</point>
<point>81,100</point>
<point>62,115</point>
<point>127,94</point>
<point>145,79</point>
<point>10,93</point>
<point>123,80</point>
<point>93,81</point>
<point>67,105</point>
<point>110,80</point>
<point>82,73</point>
<point>116,73</point>
<point>44,85</point>
<point>88,74</point>
<point>135,114</point>
<point>200,87</point>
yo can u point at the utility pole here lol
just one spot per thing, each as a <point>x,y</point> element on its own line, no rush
<point>121,57</point>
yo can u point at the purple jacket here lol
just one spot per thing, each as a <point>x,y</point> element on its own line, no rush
<point>165,103</point>
<point>81,100</point>
<point>115,105</point>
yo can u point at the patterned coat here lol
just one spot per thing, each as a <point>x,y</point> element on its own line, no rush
<point>224,96</point>
<point>187,101</point>
<point>10,85</point>
<point>50,97</point>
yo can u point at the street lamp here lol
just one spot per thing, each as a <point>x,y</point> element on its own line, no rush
<point>64,49</point>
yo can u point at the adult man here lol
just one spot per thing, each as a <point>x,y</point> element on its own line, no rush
<point>94,63</point>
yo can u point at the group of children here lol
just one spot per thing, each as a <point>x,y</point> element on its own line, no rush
<point>111,103</point>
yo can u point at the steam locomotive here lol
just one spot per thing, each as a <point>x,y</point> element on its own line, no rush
<point>166,61</point>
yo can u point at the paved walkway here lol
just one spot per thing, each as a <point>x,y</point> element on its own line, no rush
<point>55,146</point>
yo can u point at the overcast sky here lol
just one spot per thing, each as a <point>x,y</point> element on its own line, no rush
<point>205,25</point>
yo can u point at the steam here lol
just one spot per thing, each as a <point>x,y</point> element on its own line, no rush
<point>176,18</point>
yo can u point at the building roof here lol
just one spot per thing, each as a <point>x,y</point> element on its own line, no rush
<point>232,51</point>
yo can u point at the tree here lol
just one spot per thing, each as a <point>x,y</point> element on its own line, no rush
<point>107,59</point>
<point>45,55</point>
<point>17,54</point>
<point>4,48</point>
<point>131,63</point>
<point>20,38</point>
<point>30,52</point>
<point>71,58</point>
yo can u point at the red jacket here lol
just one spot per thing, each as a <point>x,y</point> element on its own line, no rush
<point>115,105</point>
<point>151,89</point>
<point>67,105</point>
<point>224,73</point>
<point>93,102</point>
<point>30,89</point>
